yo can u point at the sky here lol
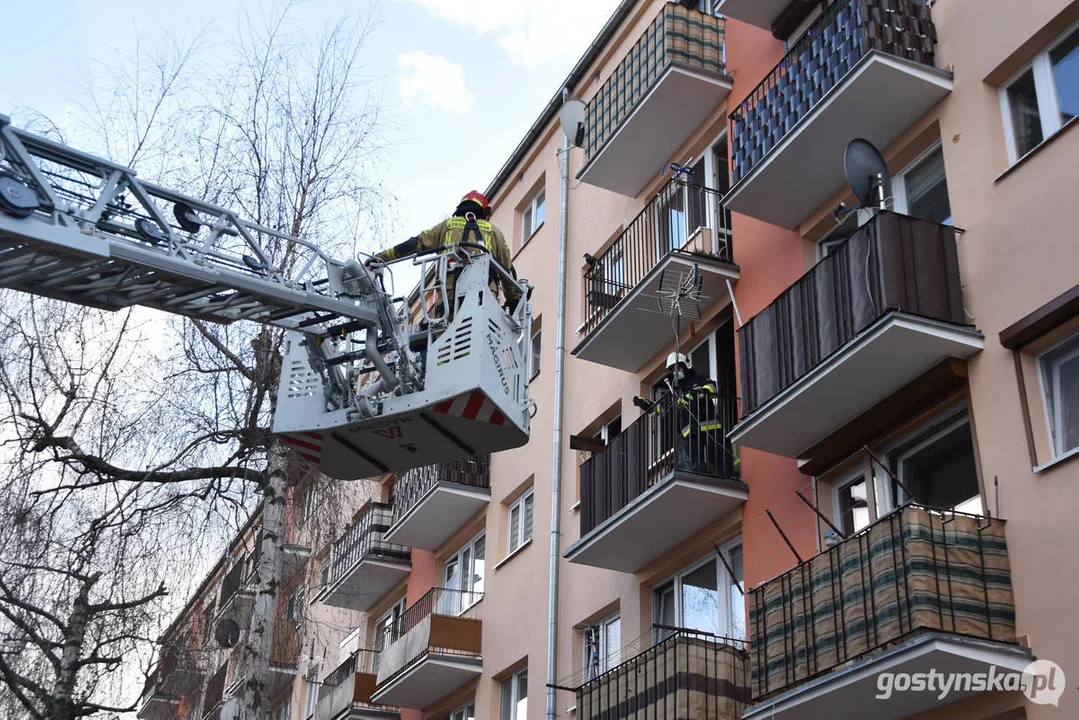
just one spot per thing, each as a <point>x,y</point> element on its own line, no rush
<point>463,80</point>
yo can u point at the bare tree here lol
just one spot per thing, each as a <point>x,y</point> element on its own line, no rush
<point>282,125</point>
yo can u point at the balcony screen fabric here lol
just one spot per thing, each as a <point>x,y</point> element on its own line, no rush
<point>915,570</point>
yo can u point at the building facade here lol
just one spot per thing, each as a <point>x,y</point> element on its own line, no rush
<point>890,489</point>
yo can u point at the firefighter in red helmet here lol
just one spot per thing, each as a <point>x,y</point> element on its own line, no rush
<point>470,223</point>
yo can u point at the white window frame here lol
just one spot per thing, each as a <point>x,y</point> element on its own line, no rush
<point>311,696</point>
<point>536,355</point>
<point>606,658</point>
<point>900,202</point>
<point>465,712</point>
<point>518,506</point>
<point>1044,90</point>
<point>1052,419</point>
<point>393,614</point>
<point>725,586</point>
<point>851,478</point>
<point>469,592</point>
<point>529,226</point>
<point>295,607</point>
<point>949,422</point>
<point>349,645</point>
<point>514,687</point>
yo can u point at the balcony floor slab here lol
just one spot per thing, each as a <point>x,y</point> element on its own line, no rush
<point>761,13</point>
<point>438,515</point>
<point>364,584</point>
<point>679,101</point>
<point>879,98</point>
<point>882,359</point>
<point>635,329</point>
<point>428,680</point>
<point>664,516</point>
<point>852,691</point>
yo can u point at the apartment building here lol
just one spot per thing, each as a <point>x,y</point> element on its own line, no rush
<point>892,488</point>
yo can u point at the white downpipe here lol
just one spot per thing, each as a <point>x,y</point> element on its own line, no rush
<point>559,393</point>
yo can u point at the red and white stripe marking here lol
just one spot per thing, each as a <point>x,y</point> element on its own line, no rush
<point>474,406</point>
<point>307,444</point>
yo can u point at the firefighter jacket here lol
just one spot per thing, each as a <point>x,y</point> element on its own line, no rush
<point>694,399</point>
<point>452,231</point>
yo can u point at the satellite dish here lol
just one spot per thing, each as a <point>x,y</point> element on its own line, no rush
<point>227,633</point>
<point>572,118</point>
<point>867,173</point>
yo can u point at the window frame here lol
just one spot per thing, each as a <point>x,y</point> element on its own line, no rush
<point>853,477</point>
<point>725,585</point>
<point>605,660</point>
<point>529,226</point>
<point>469,592</point>
<point>900,200</point>
<point>310,701</point>
<point>464,712</point>
<point>535,354</point>
<point>1045,92</point>
<point>515,544</point>
<point>514,680</point>
<point>1052,423</point>
<point>392,614</point>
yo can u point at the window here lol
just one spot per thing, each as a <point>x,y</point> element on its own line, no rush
<point>682,210</point>
<point>294,610</point>
<point>311,698</point>
<point>385,626</point>
<point>515,696</point>
<point>308,502</point>
<point>1060,383</point>
<point>532,215</point>
<point>464,572</point>
<point>349,645</point>
<point>468,712</point>
<point>1043,96</point>
<point>705,597</point>
<point>521,520</point>
<point>534,366</point>
<point>921,190</point>
<point>938,468</point>
<point>602,647</point>
<point>852,504</point>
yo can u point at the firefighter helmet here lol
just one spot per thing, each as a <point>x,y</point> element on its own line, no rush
<point>675,358</point>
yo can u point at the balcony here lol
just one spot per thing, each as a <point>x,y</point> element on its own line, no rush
<point>431,503</point>
<point>365,566</point>
<point>670,81</point>
<point>180,670</point>
<point>864,69</point>
<point>213,700</point>
<point>762,13</point>
<point>681,234</point>
<point>156,703</point>
<point>689,674</point>
<point>433,650</point>
<point>918,590</point>
<point>651,482</point>
<point>877,313</point>
<point>284,651</point>
<point>346,693</point>
<point>237,596</point>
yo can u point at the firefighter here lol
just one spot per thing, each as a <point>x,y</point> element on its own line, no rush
<point>693,395</point>
<point>470,223</point>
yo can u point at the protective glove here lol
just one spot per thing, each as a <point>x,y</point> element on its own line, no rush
<point>642,403</point>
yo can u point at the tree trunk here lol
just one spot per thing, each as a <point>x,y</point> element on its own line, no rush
<point>259,647</point>
<point>63,694</point>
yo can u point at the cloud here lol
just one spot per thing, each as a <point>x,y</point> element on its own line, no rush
<point>435,81</point>
<point>530,32</point>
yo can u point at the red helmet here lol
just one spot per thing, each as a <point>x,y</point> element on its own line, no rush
<point>477,197</point>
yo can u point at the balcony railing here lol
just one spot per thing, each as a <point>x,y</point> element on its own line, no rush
<point>458,639</point>
<point>671,222</point>
<point>690,674</point>
<point>414,484</point>
<point>843,35</point>
<point>363,538</point>
<point>349,687</point>
<point>916,570</point>
<point>648,451</point>
<point>894,262</point>
<point>677,37</point>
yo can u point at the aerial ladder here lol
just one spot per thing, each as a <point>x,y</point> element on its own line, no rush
<point>369,383</point>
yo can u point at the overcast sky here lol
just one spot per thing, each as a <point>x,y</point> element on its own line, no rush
<point>464,79</point>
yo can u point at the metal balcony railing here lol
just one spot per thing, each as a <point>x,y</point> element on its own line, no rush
<point>413,485</point>
<point>914,570</point>
<point>689,673</point>
<point>342,689</point>
<point>653,447</point>
<point>843,35</point>
<point>893,262</point>
<point>436,601</point>
<point>677,37</point>
<point>363,538</point>
<point>670,223</point>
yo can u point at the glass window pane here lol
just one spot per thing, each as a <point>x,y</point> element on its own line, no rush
<point>738,601</point>
<point>927,190</point>
<point>506,711</point>
<point>528,518</point>
<point>515,527</point>
<point>613,643</point>
<point>1065,61</point>
<point>522,696</point>
<point>700,599</point>
<point>1026,120</point>
<point>853,507</point>
<point>663,607</point>
<point>1060,370</point>
<point>939,470</point>
<point>526,223</point>
<point>541,208</point>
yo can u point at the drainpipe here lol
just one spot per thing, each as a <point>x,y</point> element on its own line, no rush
<point>559,393</point>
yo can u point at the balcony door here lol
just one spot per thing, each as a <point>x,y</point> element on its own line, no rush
<point>705,597</point>
<point>681,211</point>
<point>463,576</point>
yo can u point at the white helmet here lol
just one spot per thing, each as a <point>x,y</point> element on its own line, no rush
<point>675,358</point>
